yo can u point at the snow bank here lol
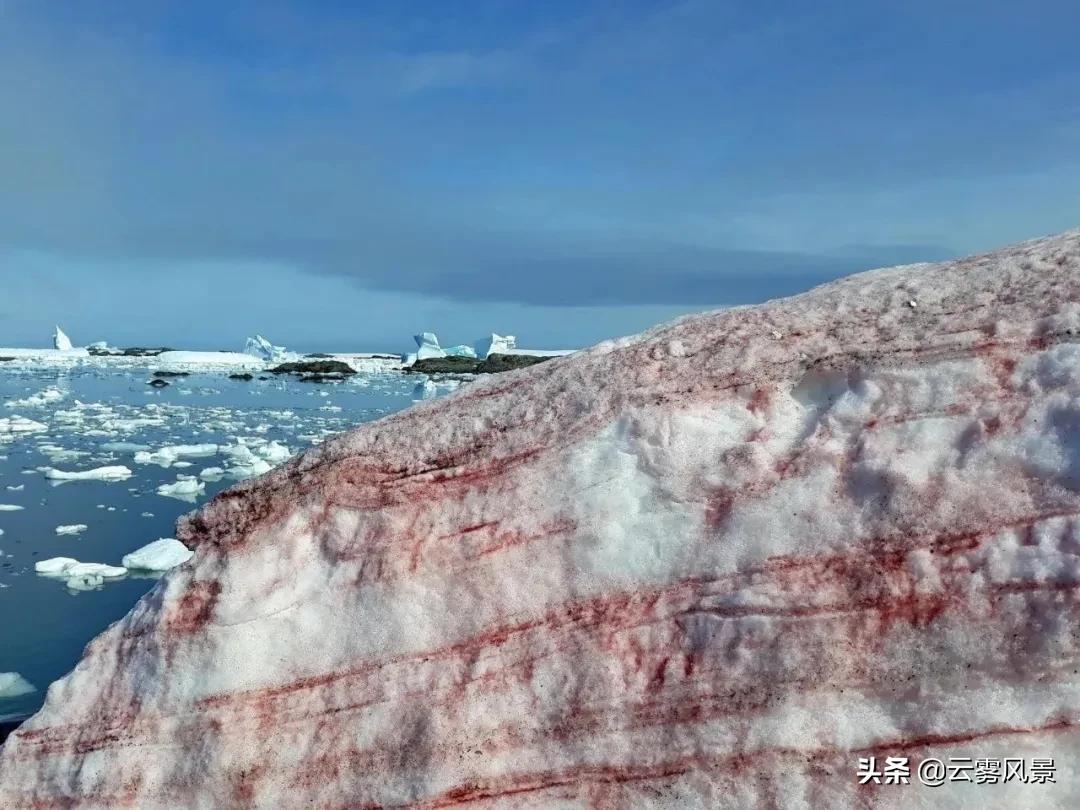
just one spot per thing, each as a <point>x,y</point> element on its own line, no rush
<point>713,565</point>
<point>161,555</point>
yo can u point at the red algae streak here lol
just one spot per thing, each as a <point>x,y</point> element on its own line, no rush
<point>710,566</point>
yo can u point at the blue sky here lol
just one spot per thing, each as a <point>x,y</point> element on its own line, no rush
<point>342,174</point>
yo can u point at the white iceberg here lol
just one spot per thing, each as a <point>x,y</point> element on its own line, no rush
<point>161,555</point>
<point>428,346</point>
<point>74,528</point>
<point>212,474</point>
<point>12,684</point>
<point>495,344</point>
<point>461,351</point>
<point>116,472</point>
<point>11,507</point>
<point>262,348</point>
<point>61,342</point>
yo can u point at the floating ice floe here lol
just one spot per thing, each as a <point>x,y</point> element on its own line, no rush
<point>45,397</point>
<point>212,474</point>
<point>61,342</point>
<point>263,349</point>
<point>12,684</point>
<point>11,507</point>
<point>161,555</point>
<point>74,528</point>
<point>184,488</point>
<point>79,576</point>
<point>168,455</point>
<point>116,472</point>
<point>19,426</point>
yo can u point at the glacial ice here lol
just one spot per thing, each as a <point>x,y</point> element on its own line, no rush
<point>261,348</point>
<point>460,351</point>
<point>11,426</point>
<point>428,346</point>
<point>61,342</point>
<point>160,555</point>
<point>48,396</point>
<point>495,344</point>
<point>74,528</point>
<point>168,455</point>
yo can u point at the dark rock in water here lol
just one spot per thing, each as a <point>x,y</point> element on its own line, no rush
<point>470,365</point>
<point>172,373</point>
<point>6,359</point>
<point>133,351</point>
<point>508,362</point>
<point>314,367</point>
<point>157,383</point>
<point>264,378</point>
<point>319,355</point>
<point>245,376</point>
<point>445,365</point>
<point>322,378</point>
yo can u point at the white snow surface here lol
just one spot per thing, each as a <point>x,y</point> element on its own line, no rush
<point>161,555</point>
<point>711,565</point>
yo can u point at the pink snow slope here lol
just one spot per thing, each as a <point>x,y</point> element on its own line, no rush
<point>713,565</point>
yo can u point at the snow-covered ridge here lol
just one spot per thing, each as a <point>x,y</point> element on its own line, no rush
<point>712,565</point>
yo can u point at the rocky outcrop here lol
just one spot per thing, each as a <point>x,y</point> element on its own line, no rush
<point>713,565</point>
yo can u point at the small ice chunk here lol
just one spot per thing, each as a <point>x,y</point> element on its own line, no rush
<point>212,474</point>
<point>184,488</point>
<point>74,528</point>
<point>10,507</point>
<point>12,684</point>
<point>55,565</point>
<point>169,454</point>
<point>161,555</point>
<point>113,473</point>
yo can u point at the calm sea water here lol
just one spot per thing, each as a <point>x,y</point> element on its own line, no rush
<point>44,624</point>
